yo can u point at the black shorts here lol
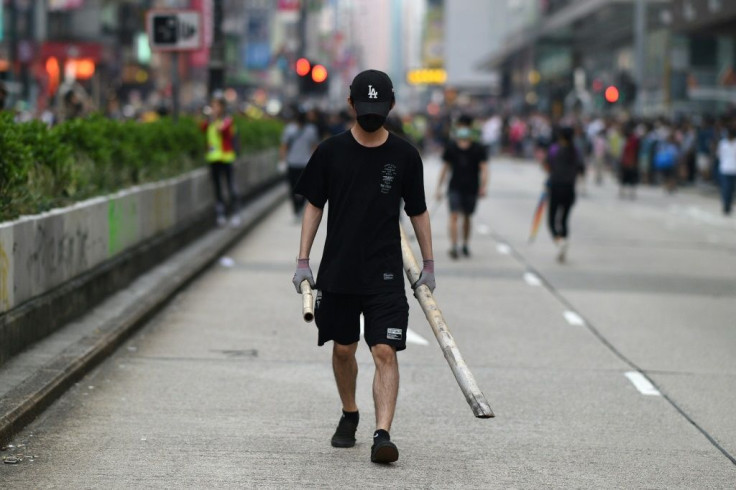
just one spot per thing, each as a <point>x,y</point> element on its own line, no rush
<point>386,318</point>
<point>629,176</point>
<point>462,202</point>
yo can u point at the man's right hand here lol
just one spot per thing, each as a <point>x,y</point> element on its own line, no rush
<point>303,273</point>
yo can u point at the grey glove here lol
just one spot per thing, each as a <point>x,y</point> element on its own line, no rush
<point>426,277</point>
<point>303,273</point>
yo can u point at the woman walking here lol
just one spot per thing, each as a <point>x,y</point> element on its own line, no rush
<point>298,141</point>
<point>563,164</point>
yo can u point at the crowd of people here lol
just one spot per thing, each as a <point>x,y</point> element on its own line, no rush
<point>633,151</point>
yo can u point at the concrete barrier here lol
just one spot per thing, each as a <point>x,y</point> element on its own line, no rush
<point>56,265</point>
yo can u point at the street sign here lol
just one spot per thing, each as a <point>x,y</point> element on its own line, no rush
<point>174,30</point>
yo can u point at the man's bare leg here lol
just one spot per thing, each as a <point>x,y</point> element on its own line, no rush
<point>466,229</point>
<point>345,368</point>
<point>385,384</point>
<point>453,234</point>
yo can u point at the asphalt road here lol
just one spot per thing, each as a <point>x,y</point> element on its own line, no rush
<point>227,388</point>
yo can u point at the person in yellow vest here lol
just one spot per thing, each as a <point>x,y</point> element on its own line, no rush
<point>220,132</point>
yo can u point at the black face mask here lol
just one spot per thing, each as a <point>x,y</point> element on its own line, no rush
<point>371,122</point>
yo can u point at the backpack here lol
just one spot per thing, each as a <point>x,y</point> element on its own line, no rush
<point>665,156</point>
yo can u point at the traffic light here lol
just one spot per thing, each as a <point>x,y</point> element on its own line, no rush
<point>313,78</point>
<point>612,94</point>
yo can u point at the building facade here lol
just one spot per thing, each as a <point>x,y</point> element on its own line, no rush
<point>564,57</point>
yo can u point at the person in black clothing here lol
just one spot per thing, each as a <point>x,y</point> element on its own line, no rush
<point>563,164</point>
<point>465,159</point>
<point>364,173</point>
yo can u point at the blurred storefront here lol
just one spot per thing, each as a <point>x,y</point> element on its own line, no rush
<point>566,55</point>
<point>704,55</point>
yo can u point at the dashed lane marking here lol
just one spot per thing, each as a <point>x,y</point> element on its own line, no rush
<point>642,384</point>
<point>503,249</point>
<point>532,279</point>
<point>573,318</point>
<point>483,230</point>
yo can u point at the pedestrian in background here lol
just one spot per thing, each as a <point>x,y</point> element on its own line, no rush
<point>563,164</point>
<point>298,141</point>
<point>466,161</point>
<point>600,152</point>
<point>665,162</point>
<point>364,174</point>
<point>727,168</point>
<point>220,132</point>
<point>629,164</point>
<point>581,145</point>
<point>491,134</point>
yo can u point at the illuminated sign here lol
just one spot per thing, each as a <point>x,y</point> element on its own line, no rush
<point>426,76</point>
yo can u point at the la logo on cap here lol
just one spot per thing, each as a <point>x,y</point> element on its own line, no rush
<point>372,93</point>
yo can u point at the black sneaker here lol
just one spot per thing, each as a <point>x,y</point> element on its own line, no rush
<point>453,254</point>
<point>345,433</point>
<point>384,452</point>
<point>466,251</point>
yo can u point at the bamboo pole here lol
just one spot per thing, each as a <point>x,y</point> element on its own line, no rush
<point>307,301</point>
<point>465,379</point>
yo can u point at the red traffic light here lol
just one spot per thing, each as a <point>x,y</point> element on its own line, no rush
<point>612,94</point>
<point>303,67</point>
<point>319,73</point>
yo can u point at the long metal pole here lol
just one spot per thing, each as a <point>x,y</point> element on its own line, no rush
<point>640,34</point>
<point>217,50</point>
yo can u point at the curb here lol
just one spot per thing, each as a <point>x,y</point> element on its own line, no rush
<point>26,401</point>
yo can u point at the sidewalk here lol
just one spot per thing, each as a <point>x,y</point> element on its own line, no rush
<point>36,377</point>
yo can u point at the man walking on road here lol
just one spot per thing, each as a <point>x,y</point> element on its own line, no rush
<point>727,167</point>
<point>466,161</point>
<point>364,173</point>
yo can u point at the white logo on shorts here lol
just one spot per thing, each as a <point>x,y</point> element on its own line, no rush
<point>393,333</point>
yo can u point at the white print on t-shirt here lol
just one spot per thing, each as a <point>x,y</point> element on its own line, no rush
<point>372,93</point>
<point>387,177</point>
<point>387,276</point>
<point>393,333</point>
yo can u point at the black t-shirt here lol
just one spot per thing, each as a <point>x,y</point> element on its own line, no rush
<point>465,165</point>
<point>364,187</point>
<point>564,165</point>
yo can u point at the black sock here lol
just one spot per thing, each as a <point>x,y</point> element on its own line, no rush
<point>353,417</point>
<point>381,435</point>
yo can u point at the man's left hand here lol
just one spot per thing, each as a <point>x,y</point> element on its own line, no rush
<point>426,277</point>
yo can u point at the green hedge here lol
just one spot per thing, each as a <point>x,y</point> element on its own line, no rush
<point>42,168</point>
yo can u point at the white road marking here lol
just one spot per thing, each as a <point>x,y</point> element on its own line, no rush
<point>483,229</point>
<point>227,262</point>
<point>573,318</point>
<point>411,336</point>
<point>414,338</point>
<point>503,249</point>
<point>532,279</point>
<point>642,384</point>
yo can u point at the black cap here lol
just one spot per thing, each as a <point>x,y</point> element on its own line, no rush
<point>372,93</point>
